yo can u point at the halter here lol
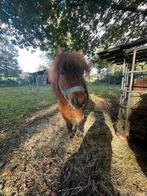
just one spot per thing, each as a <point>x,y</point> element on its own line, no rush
<point>69,91</point>
<point>73,89</point>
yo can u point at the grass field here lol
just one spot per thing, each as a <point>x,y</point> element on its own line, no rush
<point>17,103</point>
<point>104,90</point>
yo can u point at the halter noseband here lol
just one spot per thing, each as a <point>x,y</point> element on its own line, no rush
<point>69,91</point>
<point>73,90</point>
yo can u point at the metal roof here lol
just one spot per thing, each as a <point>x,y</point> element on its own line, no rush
<point>125,51</point>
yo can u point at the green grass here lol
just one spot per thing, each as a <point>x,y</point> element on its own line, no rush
<point>104,90</point>
<point>18,102</point>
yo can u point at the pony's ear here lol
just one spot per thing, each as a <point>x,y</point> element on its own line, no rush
<point>81,52</point>
<point>59,51</point>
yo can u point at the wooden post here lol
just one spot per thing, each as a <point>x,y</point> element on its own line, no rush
<point>37,80</point>
<point>109,70</point>
<point>129,93</point>
<point>123,84</point>
<point>127,81</point>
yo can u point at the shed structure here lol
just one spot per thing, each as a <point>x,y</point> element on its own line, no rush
<point>38,78</point>
<point>134,81</point>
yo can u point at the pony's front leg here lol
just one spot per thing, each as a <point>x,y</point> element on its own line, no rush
<point>79,117</point>
<point>80,129</point>
<point>69,125</point>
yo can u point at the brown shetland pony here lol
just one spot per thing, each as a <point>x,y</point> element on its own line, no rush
<point>67,80</point>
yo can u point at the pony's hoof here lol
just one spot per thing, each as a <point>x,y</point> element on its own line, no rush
<point>70,134</point>
<point>79,133</point>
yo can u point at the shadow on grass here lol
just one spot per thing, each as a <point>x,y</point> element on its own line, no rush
<point>87,172</point>
<point>9,144</point>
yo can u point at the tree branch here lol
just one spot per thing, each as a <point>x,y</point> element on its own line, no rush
<point>130,8</point>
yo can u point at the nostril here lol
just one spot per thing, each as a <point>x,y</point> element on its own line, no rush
<point>74,101</point>
<point>78,103</point>
<point>85,101</point>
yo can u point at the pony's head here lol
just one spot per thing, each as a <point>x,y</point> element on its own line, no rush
<point>66,77</point>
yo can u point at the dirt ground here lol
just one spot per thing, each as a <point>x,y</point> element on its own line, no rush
<point>47,162</point>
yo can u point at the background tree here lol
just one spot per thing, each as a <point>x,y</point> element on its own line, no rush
<point>8,58</point>
<point>42,67</point>
<point>46,61</point>
<point>78,24</point>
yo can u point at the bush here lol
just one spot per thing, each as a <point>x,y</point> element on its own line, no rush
<point>8,83</point>
<point>116,78</point>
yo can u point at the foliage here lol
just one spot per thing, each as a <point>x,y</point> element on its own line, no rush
<point>8,58</point>
<point>42,67</point>
<point>78,24</point>
<point>46,61</point>
<point>4,83</point>
<point>100,63</point>
<point>116,74</point>
<point>116,78</point>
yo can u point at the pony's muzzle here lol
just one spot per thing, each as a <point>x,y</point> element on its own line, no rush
<point>78,103</point>
<point>80,121</point>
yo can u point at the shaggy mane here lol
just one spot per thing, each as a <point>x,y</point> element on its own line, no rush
<point>71,64</point>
